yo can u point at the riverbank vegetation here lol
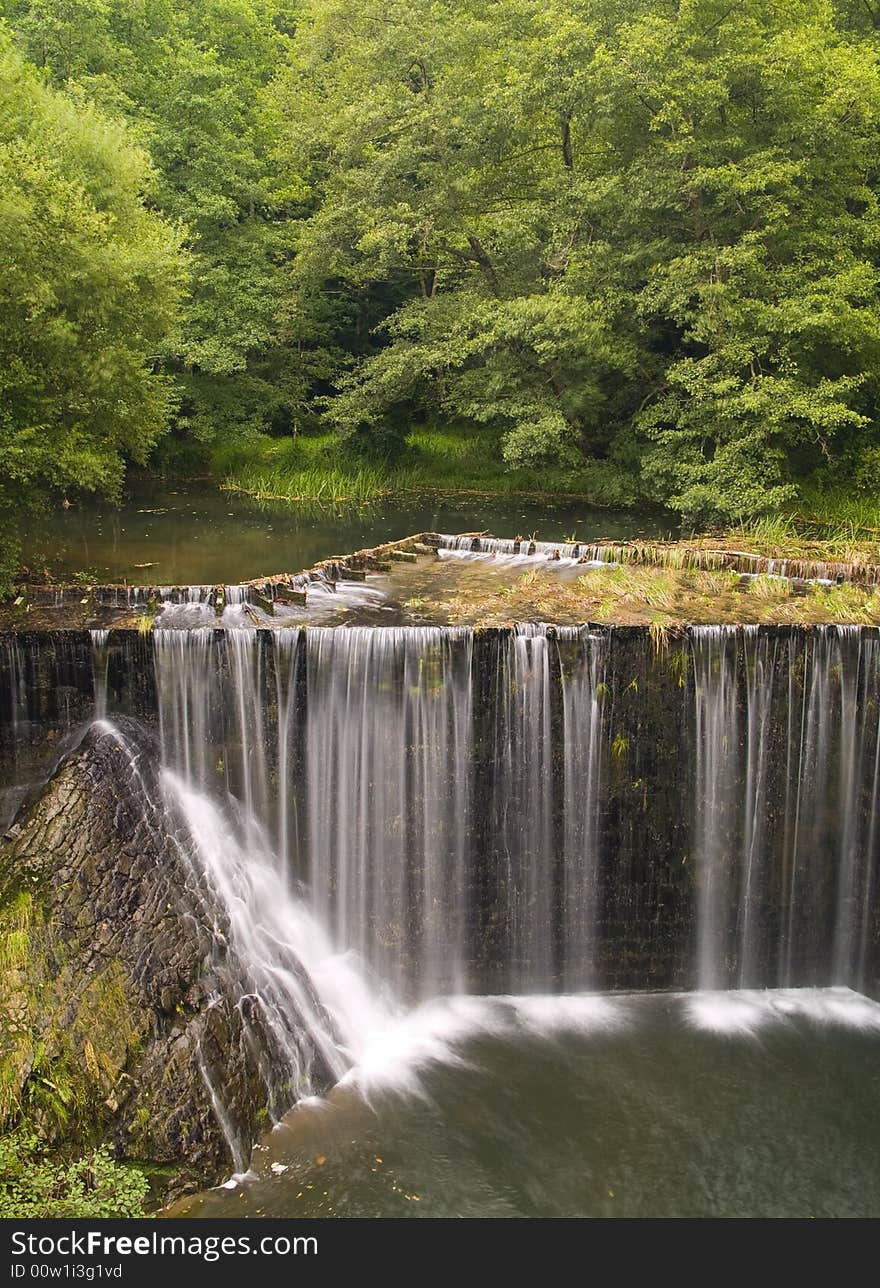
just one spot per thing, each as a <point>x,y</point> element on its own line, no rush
<point>90,280</point>
<point>448,460</point>
<point>36,1184</point>
<point>627,251</point>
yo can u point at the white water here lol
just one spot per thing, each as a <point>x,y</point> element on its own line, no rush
<point>717,736</point>
<point>583,690</point>
<point>447,809</point>
<point>100,663</point>
<point>387,732</point>
<point>739,1013</point>
<point>508,559</point>
<point>522,551</point>
<point>297,976</point>
<point>403,1047</point>
<point>460,813</point>
<point>820,804</point>
<point>448,802</point>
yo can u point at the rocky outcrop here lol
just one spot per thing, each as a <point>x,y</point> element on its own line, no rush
<point>120,1014</point>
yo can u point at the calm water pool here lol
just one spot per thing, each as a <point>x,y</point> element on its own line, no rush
<point>198,534</point>
<point>701,1105</point>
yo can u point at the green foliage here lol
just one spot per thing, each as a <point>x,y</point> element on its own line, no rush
<point>626,232</point>
<point>15,926</point>
<point>89,286</point>
<point>327,485</point>
<point>35,1185</point>
<point>189,77</point>
<point>446,459</point>
<point>627,245</point>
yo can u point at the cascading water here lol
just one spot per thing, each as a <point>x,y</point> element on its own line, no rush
<point>522,550</point>
<point>446,833</point>
<point>565,553</point>
<point>306,1012</point>
<point>312,1000</point>
<point>716,735</point>
<point>785,810</point>
<point>463,807</point>
<point>443,811</point>
<point>387,742</point>
<point>100,664</point>
<point>534,810</point>
<point>583,687</point>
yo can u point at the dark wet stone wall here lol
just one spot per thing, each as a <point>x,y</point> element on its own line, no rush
<point>737,790</point>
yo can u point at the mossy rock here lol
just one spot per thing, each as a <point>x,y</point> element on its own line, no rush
<point>108,961</point>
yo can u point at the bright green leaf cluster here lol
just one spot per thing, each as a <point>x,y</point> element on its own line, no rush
<point>626,237</point>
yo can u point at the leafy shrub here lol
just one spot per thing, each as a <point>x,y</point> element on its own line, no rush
<point>33,1185</point>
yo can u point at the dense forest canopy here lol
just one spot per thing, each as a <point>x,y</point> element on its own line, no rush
<point>90,283</point>
<point>635,238</point>
<point>646,233</point>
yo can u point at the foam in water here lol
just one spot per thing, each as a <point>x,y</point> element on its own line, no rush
<point>739,1013</point>
<point>402,1048</point>
<point>333,595</point>
<point>436,1031</point>
<point>298,978</point>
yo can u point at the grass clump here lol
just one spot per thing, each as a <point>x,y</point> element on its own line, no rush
<point>315,484</point>
<point>850,513</point>
<point>827,526</point>
<point>15,927</point>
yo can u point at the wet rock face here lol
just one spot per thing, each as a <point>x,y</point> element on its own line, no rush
<point>115,988</point>
<point>48,687</point>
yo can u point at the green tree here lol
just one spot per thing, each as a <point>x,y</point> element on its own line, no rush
<point>636,237</point>
<point>446,188</point>
<point>90,283</point>
<point>759,186</point>
<point>189,77</point>
<point>643,233</point>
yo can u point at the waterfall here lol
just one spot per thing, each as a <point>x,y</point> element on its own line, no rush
<point>716,735</point>
<point>186,682</point>
<point>386,817</point>
<point>307,1012</point>
<point>515,811</point>
<point>785,845</point>
<point>440,806</point>
<point>313,1001</point>
<point>759,663</point>
<point>522,550</point>
<point>100,663</point>
<point>583,688</point>
<point>387,747</point>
